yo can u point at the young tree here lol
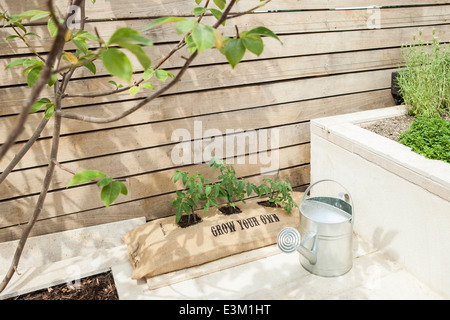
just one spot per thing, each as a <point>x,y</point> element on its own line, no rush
<point>57,68</point>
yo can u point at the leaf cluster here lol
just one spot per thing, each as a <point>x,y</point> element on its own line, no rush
<point>196,189</point>
<point>429,136</point>
<point>279,192</point>
<point>111,189</point>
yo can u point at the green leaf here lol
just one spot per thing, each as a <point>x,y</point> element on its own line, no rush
<point>11,37</point>
<point>90,66</point>
<point>198,1</point>
<point>161,21</point>
<point>234,51</point>
<point>199,10</point>
<point>161,75</point>
<point>31,34</point>
<point>52,27</point>
<point>33,75</point>
<point>185,26</point>
<point>18,62</point>
<point>134,90</point>
<point>217,14</point>
<point>123,188</point>
<point>128,35</point>
<point>38,104</point>
<point>253,43</point>
<point>263,31</point>
<point>110,192</point>
<point>204,37</point>
<point>33,14</point>
<point>220,3</point>
<point>137,50</point>
<point>147,85</point>
<point>41,15</point>
<point>85,176</point>
<point>52,80</point>
<point>104,181</point>
<point>49,111</point>
<point>81,45</point>
<point>117,63</point>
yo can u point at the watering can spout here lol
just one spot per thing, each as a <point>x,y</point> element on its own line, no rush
<point>289,240</point>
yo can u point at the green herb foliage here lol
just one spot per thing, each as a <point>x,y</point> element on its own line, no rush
<point>429,137</point>
<point>424,81</point>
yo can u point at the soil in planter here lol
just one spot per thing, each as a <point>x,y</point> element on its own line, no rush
<point>97,287</point>
<point>267,203</point>
<point>390,128</point>
<point>230,210</point>
<point>189,220</point>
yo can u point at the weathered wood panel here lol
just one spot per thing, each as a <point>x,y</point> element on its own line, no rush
<point>331,62</point>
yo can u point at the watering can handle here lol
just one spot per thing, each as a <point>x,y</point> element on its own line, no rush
<point>325,180</point>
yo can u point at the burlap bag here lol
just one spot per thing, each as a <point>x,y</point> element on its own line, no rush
<point>161,246</point>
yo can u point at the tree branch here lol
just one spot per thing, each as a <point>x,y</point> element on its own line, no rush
<point>56,49</point>
<point>154,95</point>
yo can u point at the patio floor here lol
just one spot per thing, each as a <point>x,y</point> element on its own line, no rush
<point>263,273</point>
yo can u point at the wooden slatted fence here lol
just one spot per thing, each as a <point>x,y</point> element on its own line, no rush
<point>337,57</point>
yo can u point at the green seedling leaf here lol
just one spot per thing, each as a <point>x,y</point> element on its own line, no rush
<point>85,176</point>
<point>117,63</point>
<point>234,51</point>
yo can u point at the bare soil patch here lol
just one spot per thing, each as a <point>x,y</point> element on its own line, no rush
<point>391,127</point>
<point>97,287</point>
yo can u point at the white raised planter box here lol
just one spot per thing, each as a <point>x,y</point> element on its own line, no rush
<point>401,199</point>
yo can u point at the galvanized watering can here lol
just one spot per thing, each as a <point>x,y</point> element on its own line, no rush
<point>326,225</point>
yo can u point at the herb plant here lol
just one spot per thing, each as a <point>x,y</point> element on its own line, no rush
<point>424,81</point>
<point>231,188</point>
<point>279,192</point>
<point>196,189</point>
<point>429,137</point>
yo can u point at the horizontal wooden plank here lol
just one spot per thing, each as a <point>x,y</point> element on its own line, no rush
<point>11,98</point>
<point>288,68</point>
<point>87,197</point>
<point>97,143</point>
<point>151,208</point>
<point>279,22</point>
<point>24,182</point>
<point>104,9</point>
